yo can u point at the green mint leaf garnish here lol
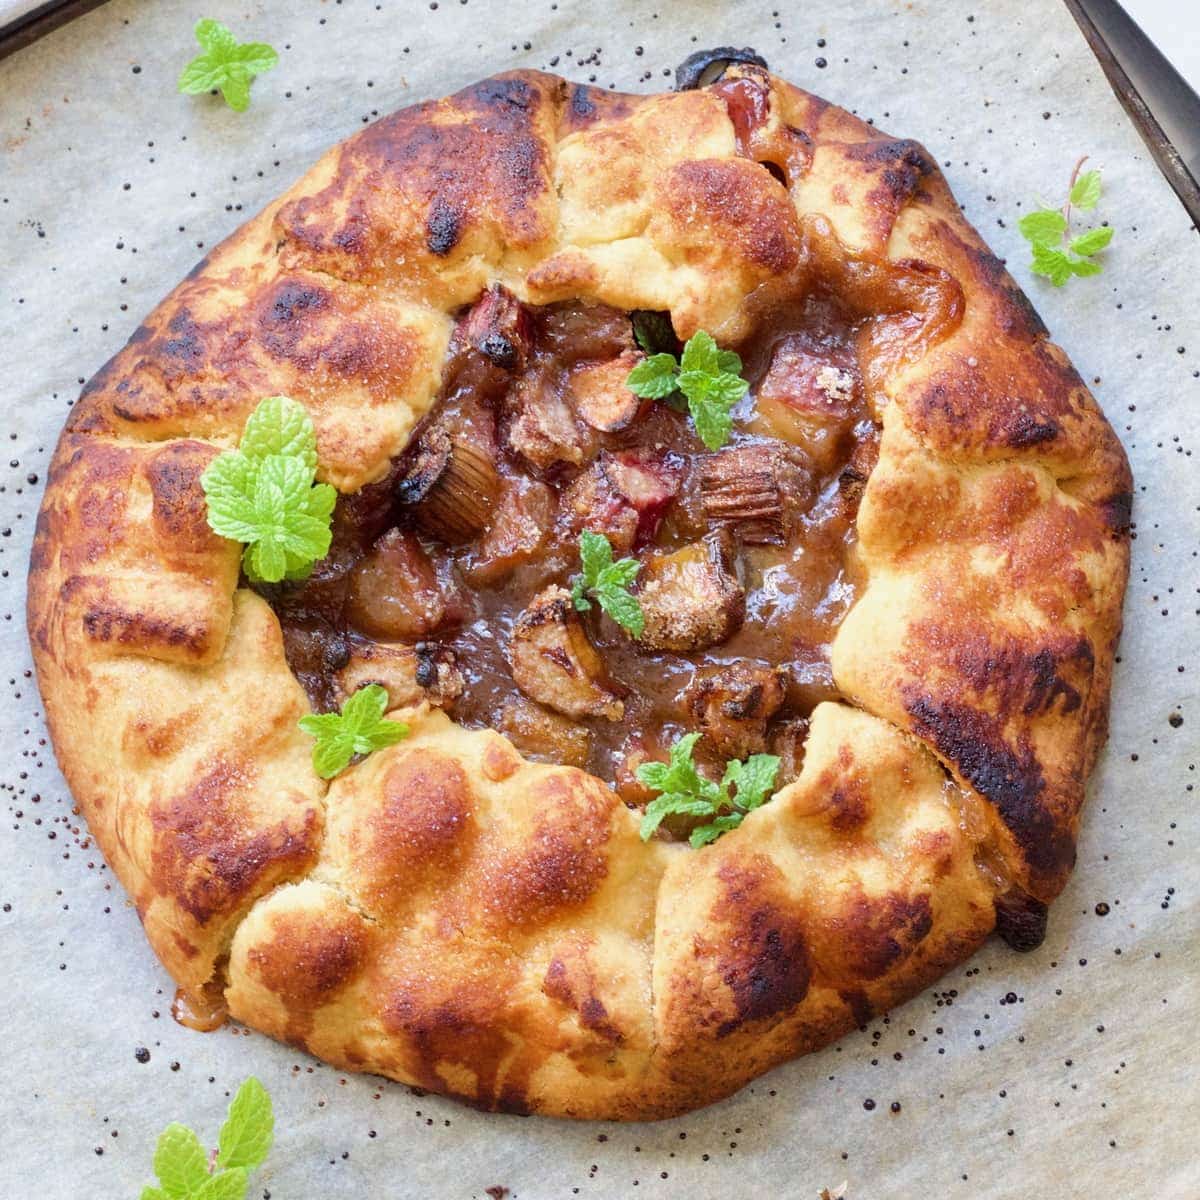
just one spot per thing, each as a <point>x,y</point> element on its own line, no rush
<point>754,778</point>
<point>225,64</point>
<point>1093,241</point>
<point>245,1138</point>
<point>655,377</point>
<point>1055,265</point>
<point>707,376</point>
<point>228,1185</point>
<point>654,332</point>
<point>264,493</point>
<point>1043,226</point>
<point>280,426</point>
<point>1057,255</point>
<point>685,792</point>
<point>359,728</point>
<point>1085,191</point>
<point>622,606</point>
<point>711,398</point>
<point>703,834</point>
<point>607,583</point>
<point>180,1162</point>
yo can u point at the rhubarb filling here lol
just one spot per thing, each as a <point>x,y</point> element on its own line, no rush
<point>450,580</point>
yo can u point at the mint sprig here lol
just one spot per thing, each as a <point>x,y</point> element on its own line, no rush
<point>1057,255</point>
<point>607,583</point>
<point>181,1163</point>
<point>263,493</point>
<point>683,791</point>
<point>359,728</point>
<point>225,65</point>
<point>709,377</point>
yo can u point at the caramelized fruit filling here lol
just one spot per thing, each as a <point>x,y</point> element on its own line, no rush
<point>449,580</point>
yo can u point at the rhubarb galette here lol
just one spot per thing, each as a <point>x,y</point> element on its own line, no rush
<point>663,616</point>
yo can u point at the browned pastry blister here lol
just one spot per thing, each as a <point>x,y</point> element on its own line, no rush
<point>447,912</point>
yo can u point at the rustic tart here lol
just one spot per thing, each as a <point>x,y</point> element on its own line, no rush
<point>897,579</point>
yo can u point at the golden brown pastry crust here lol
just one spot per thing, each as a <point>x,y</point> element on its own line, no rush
<point>453,916</point>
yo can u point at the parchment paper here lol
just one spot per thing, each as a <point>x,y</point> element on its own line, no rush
<point>1070,1072</point>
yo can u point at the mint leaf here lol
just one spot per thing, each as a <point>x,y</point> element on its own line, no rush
<point>279,425</point>
<point>1045,226</point>
<point>1093,241</point>
<point>729,362</point>
<point>1085,193</point>
<point>229,483</point>
<point>214,38</point>
<point>359,728</point>
<point>654,332</point>
<point>1055,265</point>
<point>225,65</point>
<point>579,594</point>
<point>180,1162</point>
<point>291,519</point>
<point>711,399</point>
<point>754,779</point>
<point>263,494</point>
<point>245,1138</point>
<point>703,834</point>
<point>607,583</point>
<point>1055,254</point>
<point>708,377</point>
<point>653,378</point>
<point>622,606</point>
<point>595,554</point>
<point>685,792</point>
<point>227,1185</point>
<point>701,354</point>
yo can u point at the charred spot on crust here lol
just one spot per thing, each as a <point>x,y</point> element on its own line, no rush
<point>1011,779</point>
<point>443,227</point>
<point>107,621</point>
<point>1118,512</point>
<point>875,933</point>
<point>1021,920</point>
<point>849,806</point>
<point>767,970</point>
<point>292,298</point>
<point>1048,686</point>
<point>703,67</point>
<point>1026,430</point>
<point>180,510</point>
<point>185,346</point>
<point>1017,315</point>
<point>581,103</point>
<point>290,308</point>
<point>903,164</point>
<point>763,960</point>
<point>427,663</point>
<point>1017,679</point>
<point>199,268</point>
<point>859,1006</point>
<point>503,93</point>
